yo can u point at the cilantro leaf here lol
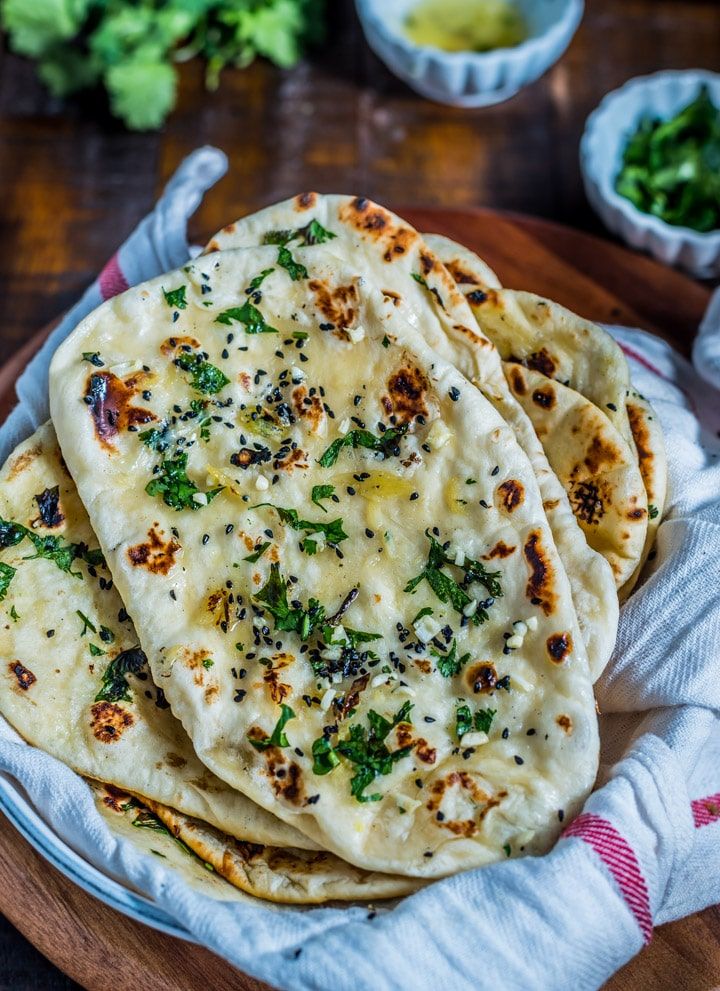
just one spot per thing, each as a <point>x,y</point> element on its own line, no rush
<point>463,721</point>
<point>291,619</point>
<point>94,358</point>
<point>447,589</point>
<point>450,664</point>
<point>175,298</point>
<point>7,573</point>
<point>366,749</point>
<point>322,492</point>
<point>257,553</point>
<point>96,651</point>
<point>49,547</point>
<point>483,719</point>
<point>315,233</point>
<point>205,378</point>
<point>333,531</point>
<point>115,687</point>
<point>278,737</point>
<point>312,233</point>
<point>246,314</point>
<point>177,490</point>
<point>386,444</point>
<point>259,279</point>
<point>295,270</point>
<point>158,438</point>
<point>653,512</point>
<point>87,623</point>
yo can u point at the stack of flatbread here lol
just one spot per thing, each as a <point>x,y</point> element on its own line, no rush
<point>321,554</point>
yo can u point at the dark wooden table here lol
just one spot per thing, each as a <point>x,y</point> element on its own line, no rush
<point>73,183</point>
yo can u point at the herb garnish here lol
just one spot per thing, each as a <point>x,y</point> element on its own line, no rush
<point>464,720</point>
<point>295,270</point>
<point>333,531</point>
<point>312,233</point>
<point>14,615</point>
<point>386,444</point>
<point>249,315</point>
<point>96,651</point>
<point>259,279</point>
<point>175,298</point>
<point>447,589</point>
<point>421,280</point>
<point>278,737</point>
<point>322,492</point>
<point>257,553</point>
<point>450,664</point>
<point>157,439</point>
<point>115,687</point>
<point>7,573</point>
<point>366,749</point>
<point>653,512</point>
<point>205,378</point>
<point>93,357</point>
<point>290,619</point>
<point>177,490</point>
<point>87,623</point>
<point>49,547</point>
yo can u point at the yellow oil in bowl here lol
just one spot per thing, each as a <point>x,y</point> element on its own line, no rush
<point>466,25</point>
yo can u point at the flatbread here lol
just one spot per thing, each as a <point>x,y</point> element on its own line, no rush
<point>546,337</point>
<point>62,632</point>
<point>417,283</point>
<point>596,466</point>
<point>229,869</point>
<point>327,715</point>
<point>281,874</point>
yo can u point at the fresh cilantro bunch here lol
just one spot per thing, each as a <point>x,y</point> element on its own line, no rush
<point>131,46</point>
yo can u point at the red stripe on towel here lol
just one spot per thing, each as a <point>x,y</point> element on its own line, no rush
<point>112,281</point>
<point>619,858</point>
<point>706,810</point>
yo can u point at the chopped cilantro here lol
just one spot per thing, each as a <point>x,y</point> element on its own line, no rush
<point>312,233</point>
<point>115,687</point>
<point>386,444</point>
<point>295,270</point>
<point>463,721</point>
<point>176,489</point>
<point>96,651</point>
<point>87,623</point>
<point>93,357</point>
<point>51,548</point>
<point>421,280</point>
<point>352,637</point>
<point>249,315</point>
<point>278,737</point>
<point>291,619</point>
<point>483,719</point>
<point>471,481</point>
<point>427,611</point>
<point>14,616</point>
<point>322,492</point>
<point>7,573</point>
<point>385,341</point>
<point>205,378</point>
<point>653,512</point>
<point>157,439</point>
<point>106,634</point>
<point>11,533</point>
<point>324,756</point>
<point>208,663</point>
<point>447,589</point>
<point>507,849</point>
<point>366,749</point>
<point>175,298</point>
<point>257,553</point>
<point>259,279</point>
<point>333,531</point>
<point>450,664</point>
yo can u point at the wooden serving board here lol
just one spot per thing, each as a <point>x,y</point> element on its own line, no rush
<point>97,946</point>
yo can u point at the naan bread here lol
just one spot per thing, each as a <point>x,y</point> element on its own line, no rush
<point>556,343</point>
<point>73,680</point>
<point>208,859</point>
<point>284,875</point>
<point>599,471</point>
<point>287,381</point>
<point>416,282</point>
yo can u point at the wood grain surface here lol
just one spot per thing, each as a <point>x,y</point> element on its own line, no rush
<point>99,948</point>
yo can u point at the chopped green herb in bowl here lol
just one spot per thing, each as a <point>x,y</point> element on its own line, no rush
<point>671,168</point>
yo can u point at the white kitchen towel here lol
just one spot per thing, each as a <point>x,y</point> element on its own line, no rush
<point>646,848</point>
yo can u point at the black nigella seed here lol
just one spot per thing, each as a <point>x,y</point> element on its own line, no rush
<point>518,760</point>
<point>50,634</point>
<point>561,814</point>
<point>454,394</point>
<point>229,528</point>
<point>414,496</point>
<point>495,470</point>
<point>505,733</point>
<point>369,533</point>
<point>206,537</point>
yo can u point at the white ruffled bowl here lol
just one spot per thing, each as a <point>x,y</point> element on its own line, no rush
<point>607,132</point>
<point>470,79</point>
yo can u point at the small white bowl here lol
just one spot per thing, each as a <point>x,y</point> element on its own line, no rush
<point>470,79</point>
<point>607,132</point>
